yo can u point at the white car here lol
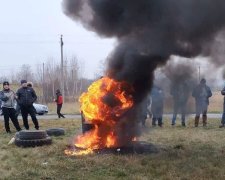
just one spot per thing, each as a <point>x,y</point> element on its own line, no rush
<point>40,109</point>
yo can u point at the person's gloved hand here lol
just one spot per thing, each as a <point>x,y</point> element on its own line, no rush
<point>5,98</point>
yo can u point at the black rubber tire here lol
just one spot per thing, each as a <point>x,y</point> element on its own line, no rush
<point>55,131</point>
<point>17,135</point>
<point>32,135</point>
<point>33,143</point>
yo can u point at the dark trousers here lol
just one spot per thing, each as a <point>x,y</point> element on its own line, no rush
<point>59,107</point>
<point>154,119</point>
<point>10,113</point>
<point>17,110</point>
<point>25,110</point>
<point>223,116</point>
<point>176,108</point>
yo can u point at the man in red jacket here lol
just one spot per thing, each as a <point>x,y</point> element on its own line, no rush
<point>59,102</point>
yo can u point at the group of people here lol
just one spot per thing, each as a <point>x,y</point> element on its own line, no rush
<point>180,94</point>
<point>22,101</point>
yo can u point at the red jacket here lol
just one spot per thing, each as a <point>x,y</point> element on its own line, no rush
<point>59,99</point>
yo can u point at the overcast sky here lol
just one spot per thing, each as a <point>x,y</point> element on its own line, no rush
<point>30,34</point>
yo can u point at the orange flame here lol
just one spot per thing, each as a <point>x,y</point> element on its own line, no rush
<point>103,106</point>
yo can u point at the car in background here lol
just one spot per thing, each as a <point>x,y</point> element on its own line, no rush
<point>39,108</point>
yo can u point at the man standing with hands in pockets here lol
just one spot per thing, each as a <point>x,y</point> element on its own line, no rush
<point>26,96</point>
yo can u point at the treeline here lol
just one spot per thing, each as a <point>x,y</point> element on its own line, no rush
<point>46,78</point>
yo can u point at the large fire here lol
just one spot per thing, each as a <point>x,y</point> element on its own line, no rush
<point>104,106</point>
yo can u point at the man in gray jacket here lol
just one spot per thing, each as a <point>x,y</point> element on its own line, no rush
<point>7,97</point>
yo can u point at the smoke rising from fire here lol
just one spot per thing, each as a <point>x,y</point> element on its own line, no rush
<point>149,32</point>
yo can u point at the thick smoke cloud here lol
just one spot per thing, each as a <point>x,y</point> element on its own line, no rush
<point>150,31</point>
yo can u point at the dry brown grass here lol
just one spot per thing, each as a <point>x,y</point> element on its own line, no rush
<point>216,102</point>
<point>185,153</point>
<point>215,105</point>
<point>67,108</point>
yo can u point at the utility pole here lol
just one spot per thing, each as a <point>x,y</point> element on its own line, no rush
<point>62,71</point>
<point>199,73</point>
<point>43,83</point>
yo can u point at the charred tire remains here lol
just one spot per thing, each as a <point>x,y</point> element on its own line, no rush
<point>55,131</point>
<point>32,138</point>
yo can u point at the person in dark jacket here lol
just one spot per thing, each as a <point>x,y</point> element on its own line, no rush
<point>180,93</point>
<point>157,97</point>
<point>201,93</point>
<point>26,96</point>
<point>143,111</point>
<point>223,116</point>
<point>59,103</point>
<point>29,84</point>
<point>8,98</point>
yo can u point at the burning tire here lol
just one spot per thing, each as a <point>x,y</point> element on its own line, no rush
<point>55,131</point>
<point>32,138</point>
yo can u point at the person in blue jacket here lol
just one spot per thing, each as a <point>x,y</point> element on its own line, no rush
<point>157,97</point>
<point>201,93</point>
<point>223,116</point>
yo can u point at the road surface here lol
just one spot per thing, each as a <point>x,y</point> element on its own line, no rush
<point>77,116</point>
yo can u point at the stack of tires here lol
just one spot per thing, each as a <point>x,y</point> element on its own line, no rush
<point>32,138</point>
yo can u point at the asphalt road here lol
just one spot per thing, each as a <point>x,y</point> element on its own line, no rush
<point>77,116</point>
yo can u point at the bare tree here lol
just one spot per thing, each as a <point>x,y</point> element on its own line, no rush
<point>47,78</point>
<point>25,73</point>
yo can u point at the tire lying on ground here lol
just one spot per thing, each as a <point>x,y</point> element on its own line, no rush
<point>32,138</point>
<point>30,135</point>
<point>55,131</point>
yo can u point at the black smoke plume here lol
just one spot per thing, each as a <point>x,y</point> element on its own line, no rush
<point>149,32</point>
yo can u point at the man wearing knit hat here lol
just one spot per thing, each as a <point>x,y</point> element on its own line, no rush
<point>26,96</point>
<point>8,98</point>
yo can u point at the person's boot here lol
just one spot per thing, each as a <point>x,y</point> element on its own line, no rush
<point>173,121</point>
<point>160,122</point>
<point>196,121</point>
<point>153,122</point>
<point>62,116</point>
<point>8,131</point>
<point>204,118</point>
<point>222,126</point>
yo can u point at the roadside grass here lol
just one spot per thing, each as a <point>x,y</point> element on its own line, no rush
<point>215,105</point>
<point>67,108</point>
<point>185,153</point>
<point>216,102</point>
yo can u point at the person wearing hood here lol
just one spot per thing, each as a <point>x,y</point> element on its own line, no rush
<point>201,93</point>
<point>223,116</point>
<point>8,98</point>
<point>157,96</point>
<point>180,93</point>
<point>26,96</point>
<point>59,103</point>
